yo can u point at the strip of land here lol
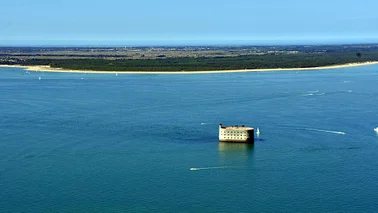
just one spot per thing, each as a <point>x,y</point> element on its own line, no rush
<point>187,60</point>
<point>42,68</point>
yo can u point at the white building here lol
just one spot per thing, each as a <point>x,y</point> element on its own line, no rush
<point>240,134</point>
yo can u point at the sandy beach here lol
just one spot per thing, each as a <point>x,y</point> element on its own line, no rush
<point>51,69</point>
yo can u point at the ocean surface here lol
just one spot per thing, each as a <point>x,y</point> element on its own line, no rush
<point>149,143</point>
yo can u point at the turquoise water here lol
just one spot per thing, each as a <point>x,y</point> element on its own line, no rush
<point>106,143</point>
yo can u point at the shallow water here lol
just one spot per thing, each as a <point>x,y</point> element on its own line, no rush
<point>148,143</point>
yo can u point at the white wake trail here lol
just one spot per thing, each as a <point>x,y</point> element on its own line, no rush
<point>328,131</point>
<point>214,167</point>
<point>207,123</point>
<point>312,92</point>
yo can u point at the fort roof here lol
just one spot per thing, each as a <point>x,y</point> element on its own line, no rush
<point>236,127</point>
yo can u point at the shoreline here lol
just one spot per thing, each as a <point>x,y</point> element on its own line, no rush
<point>50,69</point>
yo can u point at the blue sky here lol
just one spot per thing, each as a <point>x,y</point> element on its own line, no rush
<point>125,22</point>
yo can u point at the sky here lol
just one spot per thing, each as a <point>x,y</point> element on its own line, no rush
<point>169,22</point>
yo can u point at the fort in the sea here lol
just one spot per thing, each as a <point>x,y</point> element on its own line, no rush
<point>238,134</point>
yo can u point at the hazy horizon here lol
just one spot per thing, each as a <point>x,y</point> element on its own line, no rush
<point>183,43</point>
<point>168,22</point>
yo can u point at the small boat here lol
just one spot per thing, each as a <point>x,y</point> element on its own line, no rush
<point>376,130</point>
<point>258,132</point>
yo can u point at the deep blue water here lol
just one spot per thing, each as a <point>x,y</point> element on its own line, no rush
<point>126,143</point>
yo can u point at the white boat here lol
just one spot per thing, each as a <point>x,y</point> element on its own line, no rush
<point>258,132</point>
<point>376,130</point>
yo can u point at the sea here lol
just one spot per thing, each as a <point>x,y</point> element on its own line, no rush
<point>77,142</point>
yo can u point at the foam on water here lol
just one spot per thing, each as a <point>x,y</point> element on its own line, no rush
<point>312,92</point>
<point>214,167</point>
<point>327,131</point>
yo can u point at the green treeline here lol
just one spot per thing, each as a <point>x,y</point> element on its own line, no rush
<point>206,63</point>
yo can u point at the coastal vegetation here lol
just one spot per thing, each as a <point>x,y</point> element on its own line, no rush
<point>166,59</point>
<point>216,63</point>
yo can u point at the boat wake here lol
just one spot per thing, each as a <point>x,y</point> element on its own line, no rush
<point>308,94</point>
<point>209,168</point>
<point>327,131</point>
<point>313,92</point>
<point>313,129</point>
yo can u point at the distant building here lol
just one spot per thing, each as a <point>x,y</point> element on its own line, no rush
<point>238,134</point>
